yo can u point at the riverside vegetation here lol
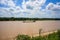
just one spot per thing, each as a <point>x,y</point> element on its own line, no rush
<point>23,19</point>
<point>53,36</point>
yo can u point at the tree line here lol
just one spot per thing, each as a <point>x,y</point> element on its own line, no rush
<point>23,19</point>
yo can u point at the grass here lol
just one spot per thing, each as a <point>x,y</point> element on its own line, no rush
<point>53,36</point>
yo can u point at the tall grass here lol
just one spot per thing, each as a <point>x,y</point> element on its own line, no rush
<point>53,36</point>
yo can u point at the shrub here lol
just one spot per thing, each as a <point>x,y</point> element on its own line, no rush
<point>23,37</point>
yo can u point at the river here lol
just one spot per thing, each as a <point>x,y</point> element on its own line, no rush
<point>9,29</point>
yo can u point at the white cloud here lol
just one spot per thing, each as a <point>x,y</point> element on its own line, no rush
<point>58,3</point>
<point>30,8</point>
<point>35,4</point>
<point>8,3</point>
<point>52,6</point>
<point>54,9</point>
<point>5,12</point>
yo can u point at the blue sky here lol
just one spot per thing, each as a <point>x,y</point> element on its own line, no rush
<point>30,8</point>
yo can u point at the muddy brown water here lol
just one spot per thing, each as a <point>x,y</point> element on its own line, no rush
<point>9,29</point>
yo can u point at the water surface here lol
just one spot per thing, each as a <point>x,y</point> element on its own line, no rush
<point>9,29</point>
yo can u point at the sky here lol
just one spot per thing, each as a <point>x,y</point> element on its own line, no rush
<point>30,8</point>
